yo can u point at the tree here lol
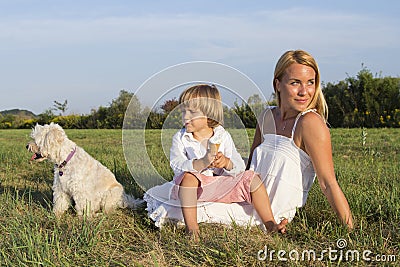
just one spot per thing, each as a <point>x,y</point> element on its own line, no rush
<point>155,120</point>
<point>256,104</point>
<point>7,121</point>
<point>245,114</point>
<point>117,109</point>
<point>46,116</point>
<point>249,110</point>
<point>131,110</point>
<point>126,108</point>
<point>364,101</point>
<point>169,105</point>
<point>62,107</point>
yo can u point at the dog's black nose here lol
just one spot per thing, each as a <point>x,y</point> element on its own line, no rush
<point>27,146</point>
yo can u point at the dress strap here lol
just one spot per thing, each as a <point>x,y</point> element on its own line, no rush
<point>262,124</point>
<point>298,117</point>
<point>263,118</point>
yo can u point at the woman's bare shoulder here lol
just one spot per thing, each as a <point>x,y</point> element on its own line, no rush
<point>312,119</point>
<point>312,124</point>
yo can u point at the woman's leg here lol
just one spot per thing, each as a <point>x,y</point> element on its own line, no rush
<point>262,205</point>
<point>188,196</point>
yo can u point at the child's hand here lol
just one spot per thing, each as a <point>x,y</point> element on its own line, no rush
<point>206,161</point>
<point>212,150</point>
<point>220,161</point>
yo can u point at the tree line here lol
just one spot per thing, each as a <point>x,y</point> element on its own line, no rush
<point>361,101</point>
<point>364,101</point>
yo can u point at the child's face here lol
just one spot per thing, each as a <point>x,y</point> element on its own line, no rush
<point>193,119</point>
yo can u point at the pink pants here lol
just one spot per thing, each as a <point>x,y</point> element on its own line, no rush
<point>225,189</point>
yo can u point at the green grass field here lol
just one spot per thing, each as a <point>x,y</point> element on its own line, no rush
<point>367,169</point>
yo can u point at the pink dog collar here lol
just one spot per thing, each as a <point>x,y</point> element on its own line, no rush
<point>62,165</point>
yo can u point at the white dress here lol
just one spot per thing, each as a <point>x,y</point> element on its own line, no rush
<point>285,169</point>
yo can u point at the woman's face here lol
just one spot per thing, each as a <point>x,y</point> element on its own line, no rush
<point>296,87</point>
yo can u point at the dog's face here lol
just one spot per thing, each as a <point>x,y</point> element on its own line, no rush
<point>33,148</point>
<point>46,141</point>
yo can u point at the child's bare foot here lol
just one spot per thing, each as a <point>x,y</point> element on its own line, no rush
<point>272,226</point>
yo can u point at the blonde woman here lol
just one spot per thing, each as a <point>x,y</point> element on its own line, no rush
<point>292,142</point>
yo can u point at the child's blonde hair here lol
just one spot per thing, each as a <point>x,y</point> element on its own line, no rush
<point>207,99</point>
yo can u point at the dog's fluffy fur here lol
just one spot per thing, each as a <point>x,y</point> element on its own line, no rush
<point>84,180</point>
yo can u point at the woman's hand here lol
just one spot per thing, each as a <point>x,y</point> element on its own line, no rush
<point>273,227</point>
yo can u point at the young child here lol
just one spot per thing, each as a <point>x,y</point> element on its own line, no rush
<point>207,166</point>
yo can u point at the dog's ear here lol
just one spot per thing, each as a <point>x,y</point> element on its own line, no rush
<point>36,130</point>
<point>56,134</point>
<point>52,140</point>
<point>37,127</point>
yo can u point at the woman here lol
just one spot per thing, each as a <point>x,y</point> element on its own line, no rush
<point>292,141</point>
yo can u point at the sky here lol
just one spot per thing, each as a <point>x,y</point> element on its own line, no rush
<point>86,52</point>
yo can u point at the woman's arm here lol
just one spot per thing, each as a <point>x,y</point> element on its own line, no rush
<point>256,142</point>
<point>314,137</point>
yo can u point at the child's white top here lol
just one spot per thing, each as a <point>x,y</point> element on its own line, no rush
<point>185,149</point>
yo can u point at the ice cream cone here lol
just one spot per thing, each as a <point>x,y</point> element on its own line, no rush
<point>217,146</point>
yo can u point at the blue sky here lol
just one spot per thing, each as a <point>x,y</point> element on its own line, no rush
<point>87,51</point>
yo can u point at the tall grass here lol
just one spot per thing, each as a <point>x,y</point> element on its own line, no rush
<point>367,168</point>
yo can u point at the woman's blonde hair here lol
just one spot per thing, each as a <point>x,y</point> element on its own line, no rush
<point>207,99</point>
<point>302,57</point>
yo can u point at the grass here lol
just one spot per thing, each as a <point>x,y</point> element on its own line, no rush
<point>367,169</point>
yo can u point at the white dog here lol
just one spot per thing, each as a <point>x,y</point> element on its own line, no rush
<point>77,175</point>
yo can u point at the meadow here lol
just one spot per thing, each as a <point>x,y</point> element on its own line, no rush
<point>367,168</point>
